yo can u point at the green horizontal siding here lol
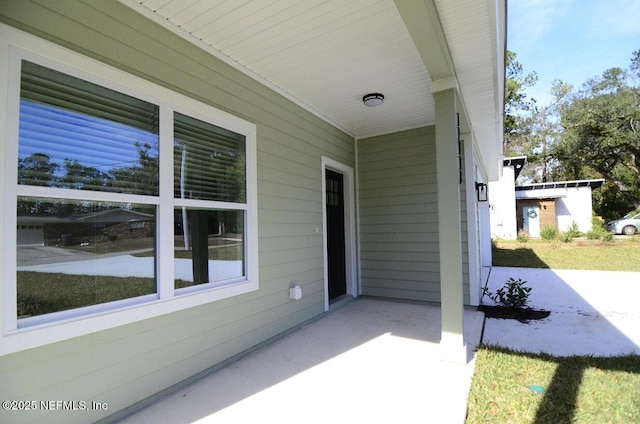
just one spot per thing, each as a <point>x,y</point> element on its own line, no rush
<point>124,365</point>
<point>399,216</point>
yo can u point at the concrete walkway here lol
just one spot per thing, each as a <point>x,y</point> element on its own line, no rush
<point>371,361</point>
<point>592,312</point>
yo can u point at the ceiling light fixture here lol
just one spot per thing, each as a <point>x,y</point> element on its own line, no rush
<point>373,99</point>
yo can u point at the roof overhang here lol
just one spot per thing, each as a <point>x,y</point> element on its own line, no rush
<point>517,162</point>
<point>561,184</point>
<point>325,55</point>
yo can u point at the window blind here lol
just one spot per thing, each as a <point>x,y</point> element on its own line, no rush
<point>79,135</point>
<point>209,161</point>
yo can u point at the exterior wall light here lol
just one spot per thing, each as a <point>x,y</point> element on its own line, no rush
<point>373,99</point>
<point>481,192</point>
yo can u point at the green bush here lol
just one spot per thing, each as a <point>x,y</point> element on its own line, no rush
<point>607,236</point>
<point>573,230</point>
<point>566,237</point>
<point>597,222</point>
<point>599,231</point>
<point>593,235</point>
<point>549,233</point>
<point>513,294</point>
<point>522,236</point>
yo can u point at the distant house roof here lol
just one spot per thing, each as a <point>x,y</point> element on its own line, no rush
<point>561,184</point>
<point>107,216</point>
<point>517,162</point>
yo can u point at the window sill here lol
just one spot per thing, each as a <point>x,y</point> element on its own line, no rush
<point>38,333</point>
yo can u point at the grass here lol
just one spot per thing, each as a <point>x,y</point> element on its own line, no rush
<point>41,293</point>
<point>119,245</point>
<point>47,292</point>
<point>617,255</point>
<point>578,389</point>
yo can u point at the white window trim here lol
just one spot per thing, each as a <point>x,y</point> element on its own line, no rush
<point>16,45</point>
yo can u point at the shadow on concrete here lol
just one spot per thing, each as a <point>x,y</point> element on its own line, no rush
<point>369,361</point>
<point>594,322</point>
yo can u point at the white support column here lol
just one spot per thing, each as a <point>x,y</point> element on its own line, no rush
<point>473,228</point>
<point>485,235</point>
<point>452,343</point>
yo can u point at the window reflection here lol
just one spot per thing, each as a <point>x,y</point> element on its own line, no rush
<point>209,246</point>
<point>72,254</point>
<point>209,161</point>
<point>81,136</point>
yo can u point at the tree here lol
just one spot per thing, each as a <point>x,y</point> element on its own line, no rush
<point>81,177</point>
<point>37,169</point>
<point>517,108</point>
<point>140,178</point>
<point>530,130</point>
<point>543,132</point>
<point>602,132</point>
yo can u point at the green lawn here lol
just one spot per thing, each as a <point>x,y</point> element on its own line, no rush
<point>617,255</point>
<point>43,293</point>
<point>513,387</point>
<point>576,389</point>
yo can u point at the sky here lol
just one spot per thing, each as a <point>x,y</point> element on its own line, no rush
<point>571,40</point>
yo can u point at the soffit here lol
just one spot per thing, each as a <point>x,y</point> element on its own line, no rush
<point>326,54</point>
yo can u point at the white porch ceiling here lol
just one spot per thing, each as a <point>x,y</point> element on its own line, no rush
<point>326,54</point>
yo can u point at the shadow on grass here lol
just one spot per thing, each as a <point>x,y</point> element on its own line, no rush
<point>561,402</point>
<point>522,256</point>
<point>572,393</point>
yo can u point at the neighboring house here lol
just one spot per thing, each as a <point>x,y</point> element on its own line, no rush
<point>502,199</point>
<point>83,228</point>
<point>239,131</point>
<point>532,207</point>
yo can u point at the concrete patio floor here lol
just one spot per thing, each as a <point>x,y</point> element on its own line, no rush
<point>592,312</point>
<point>379,361</point>
<point>370,361</point>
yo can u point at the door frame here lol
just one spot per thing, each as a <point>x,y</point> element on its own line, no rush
<point>349,227</point>
<point>527,219</point>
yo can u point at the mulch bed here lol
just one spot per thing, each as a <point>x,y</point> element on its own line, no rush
<point>523,315</point>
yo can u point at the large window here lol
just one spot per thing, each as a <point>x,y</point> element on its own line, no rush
<point>126,198</point>
<point>209,173</point>
<point>78,136</point>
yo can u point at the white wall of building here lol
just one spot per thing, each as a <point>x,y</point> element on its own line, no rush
<point>573,204</point>
<point>573,201</point>
<point>502,205</point>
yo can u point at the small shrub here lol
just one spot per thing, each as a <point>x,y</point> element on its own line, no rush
<point>599,231</point>
<point>512,295</point>
<point>607,236</point>
<point>549,233</point>
<point>597,222</point>
<point>522,236</point>
<point>566,237</point>
<point>573,231</point>
<point>593,235</point>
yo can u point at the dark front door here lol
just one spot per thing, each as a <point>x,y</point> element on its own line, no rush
<point>335,234</point>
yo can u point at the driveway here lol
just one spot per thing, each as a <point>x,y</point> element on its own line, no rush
<point>592,312</point>
<point>37,255</point>
<point>63,261</point>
